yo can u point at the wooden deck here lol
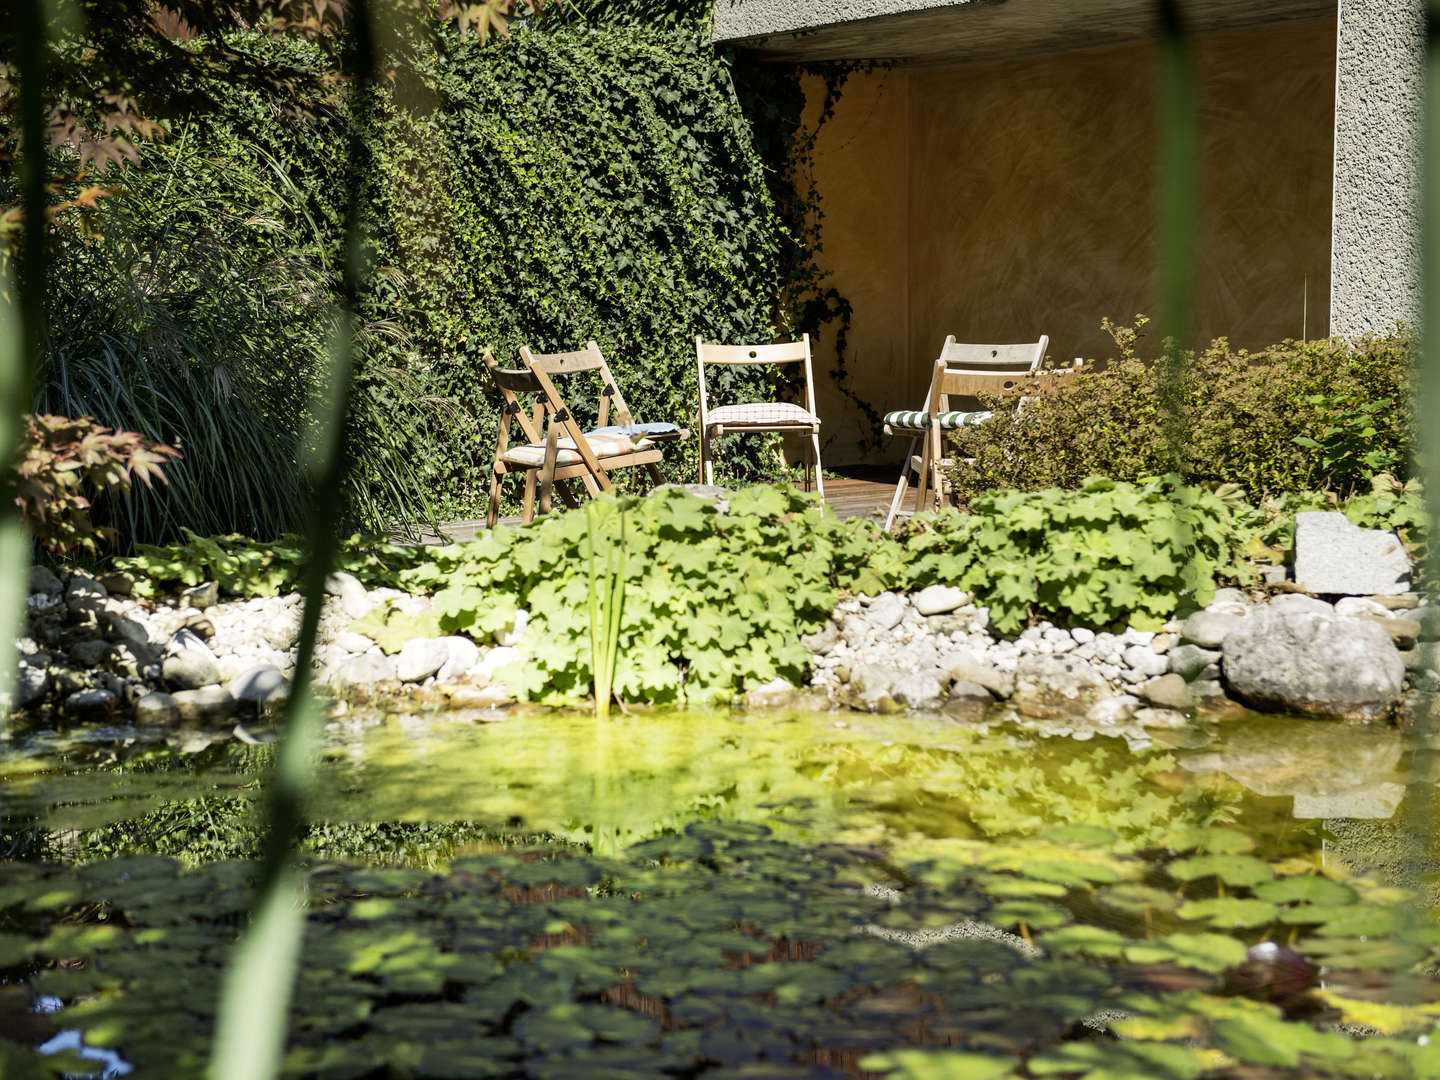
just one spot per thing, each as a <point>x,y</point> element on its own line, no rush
<point>853,491</point>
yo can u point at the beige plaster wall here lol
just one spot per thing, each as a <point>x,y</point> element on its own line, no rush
<point>999,201</point>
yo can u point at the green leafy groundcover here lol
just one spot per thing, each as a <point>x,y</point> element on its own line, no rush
<point>723,951</point>
<point>716,602</point>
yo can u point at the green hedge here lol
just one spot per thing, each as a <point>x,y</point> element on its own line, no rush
<point>542,189</point>
<point>1298,416</point>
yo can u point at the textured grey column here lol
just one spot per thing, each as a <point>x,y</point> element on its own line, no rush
<point>1379,99</point>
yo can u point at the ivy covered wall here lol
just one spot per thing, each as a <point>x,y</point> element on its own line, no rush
<point>562,184</point>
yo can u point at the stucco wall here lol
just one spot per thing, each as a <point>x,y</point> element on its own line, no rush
<point>1379,103</point>
<point>1029,203</point>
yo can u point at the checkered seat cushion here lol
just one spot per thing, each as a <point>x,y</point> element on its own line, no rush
<point>917,421</point>
<point>604,443</point>
<point>759,414</point>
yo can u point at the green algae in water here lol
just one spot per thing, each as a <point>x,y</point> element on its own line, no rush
<point>803,897</point>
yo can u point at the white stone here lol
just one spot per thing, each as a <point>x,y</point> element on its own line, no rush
<point>462,655</point>
<point>495,659</point>
<point>353,642</point>
<point>1083,635</point>
<point>354,600</point>
<point>1145,660</point>
<point>512,634</point>
<point>1333,556</point>
<point>420,658</point>
<point>1361,605</point>
<point>939,599</point>
<point>260,686</point>
<point>1110,711</point>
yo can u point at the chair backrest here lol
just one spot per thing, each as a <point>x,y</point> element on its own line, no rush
<point>966,370</point>
<point>510,383</point>
<point>548,365</point>
<point>785,352</point>
<point>1025,357</point>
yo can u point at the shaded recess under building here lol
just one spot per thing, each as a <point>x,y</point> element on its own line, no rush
<point>996,178</point>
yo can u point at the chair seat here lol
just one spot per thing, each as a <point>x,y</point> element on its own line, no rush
<point>760,414</point>
<point>603,442</point>
<point>917,421</point>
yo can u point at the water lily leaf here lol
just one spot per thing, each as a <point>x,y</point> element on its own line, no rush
<point>1083,835</point>
<point>1230,911</point>
<point>1004,886</point>
<point>1091,940</point>
<point>1077,873</point>
<point>1204,952</point>
<point>938,1065</point>
<point>1309,888</point>
<point>1032,913</point>
<point>1350,953</point>
<point>1345,920</point>
<point>1237,870</point>
<point>1137,899</point>
<point>1119,1061</point>
<point>1267,1041</point>
<point>572,1026</point>
<point>1385,1017</point>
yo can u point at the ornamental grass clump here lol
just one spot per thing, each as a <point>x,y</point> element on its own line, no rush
<point>1298,416</point>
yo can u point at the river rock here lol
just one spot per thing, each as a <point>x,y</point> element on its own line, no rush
<point>1188,661</point>
<point>208,704</point>
<point>494,659</point>
<point>1307,662</point>
<point>261,685</point>
<point>201,597</point>
<point>1145,661</point>
<point>885,612</point>
<point>1291,602</point>
<point>367,670</point>
<point>420,658</point>
<point>281,631</point>
<point>918,689</point>
<point>156,709</point>
<point>118,583</point>
<point>939,599</point>
<point>130,632</point>
<point>90,653</point>
<point>83,587</point>
<point>463,654</point>
<point>1334,556</point>
<point>824,640</point>
<point>1377,802</point>
<point>32,683</point>
<point>1361,605</point>
<point>1053,686</point>
<point>42,580</point>
<point>1208,629</point>
<point>775,694</point>
<point>95,704</point>
<point>1167,691</point>
<point>872,685</point>
<point>965,666</point>
<point>190,663</point>
<point>1155,717</point>
<point>354,600</point>
<point>1110,711</point>
<point>352,642</point>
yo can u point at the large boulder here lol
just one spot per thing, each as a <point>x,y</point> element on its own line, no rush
<point>1333,556</point>
<point>1328,665</point>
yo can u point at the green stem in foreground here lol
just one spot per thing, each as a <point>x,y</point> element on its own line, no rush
<point>606,593</point>
<point>22,324</point>
<point>255,994</point>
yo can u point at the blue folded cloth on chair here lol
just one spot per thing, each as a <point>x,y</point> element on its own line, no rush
<point>659,428</point>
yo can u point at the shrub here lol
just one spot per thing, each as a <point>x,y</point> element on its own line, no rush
<point>1301,415</point>
<point>59,457</point>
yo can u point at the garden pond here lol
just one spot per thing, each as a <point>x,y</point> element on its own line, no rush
<point>735,895</point>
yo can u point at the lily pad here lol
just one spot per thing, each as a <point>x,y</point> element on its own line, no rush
<point>1238,870</point>
<point>1230,912</point>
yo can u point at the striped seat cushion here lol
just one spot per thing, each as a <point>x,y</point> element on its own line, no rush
<point>917,421</point>
<point>759,414</point>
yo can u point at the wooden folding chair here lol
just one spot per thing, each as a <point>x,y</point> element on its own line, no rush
<point>533,456</point>
<point>960,370</point>
<point>757,416</point>
<point>605,448</point>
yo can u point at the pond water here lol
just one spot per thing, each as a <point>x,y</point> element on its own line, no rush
<point>759,895</point>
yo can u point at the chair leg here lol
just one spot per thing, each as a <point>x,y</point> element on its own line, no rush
<point>922,479</point>
<point>819,479</point>
<point>527,513</point>
<point>900,487</point>
<point>937,479</point>
<point>547,486</point>
<point>492,513</point>
<point>707,465</point>
<point>656,477</point>
<point>566,495</point>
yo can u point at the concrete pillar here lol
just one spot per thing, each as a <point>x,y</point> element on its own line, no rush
<point>1379,99</point>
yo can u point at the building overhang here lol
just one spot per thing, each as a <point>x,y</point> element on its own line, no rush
<point>936,32</point>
